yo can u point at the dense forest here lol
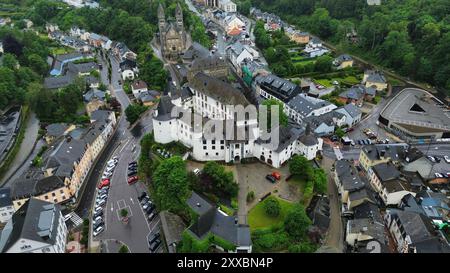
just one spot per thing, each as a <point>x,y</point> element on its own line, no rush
<point>411,37</point>
<point>132,21</point>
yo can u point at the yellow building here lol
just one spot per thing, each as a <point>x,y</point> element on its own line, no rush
<point>343,61</point>
<point>375,79</point>
<point>68,163</point>
<point>300,37</point>
<point>375,154</point>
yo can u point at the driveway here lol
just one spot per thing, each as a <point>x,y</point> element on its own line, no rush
<point>252,177</point>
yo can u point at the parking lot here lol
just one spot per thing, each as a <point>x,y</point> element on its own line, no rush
<point>134,228</point>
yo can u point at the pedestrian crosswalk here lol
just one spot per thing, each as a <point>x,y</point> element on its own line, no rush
<point>76,220</point>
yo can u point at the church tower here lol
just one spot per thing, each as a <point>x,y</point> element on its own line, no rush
<point>161,19</point>
<point>179,16</point>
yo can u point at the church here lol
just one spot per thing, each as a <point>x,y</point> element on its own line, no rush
<point>172,35</point>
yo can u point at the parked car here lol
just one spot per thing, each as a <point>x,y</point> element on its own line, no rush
<point>97,214</point>
<point>270,178</point>
<point>145,200</point>
<point>98,209</point>
<point>276,175</point>
<point>101,202</point>
<point>132,163</point>
<point>142,196</point>
<point>132,173</point>
<point>154,246</point>
<point>196,171</point>
<point>153,237</point>
<point>98,230</point>
<point>151,216</point>
<point>432,159</point>
<point>447,158</point>
<point>146,205</point>
<point>132,179</point>
<point>104,183</point>
<point>150,209</point>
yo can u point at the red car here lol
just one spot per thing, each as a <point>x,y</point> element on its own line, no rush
<point>132,179</point>
<point>104,183</point>
<point>277,175</point>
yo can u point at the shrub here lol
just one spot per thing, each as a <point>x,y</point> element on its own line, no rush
<point>250,196</point>
<point>272,207</point>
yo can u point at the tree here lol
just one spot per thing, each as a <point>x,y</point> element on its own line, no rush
<point>134,111</point>
<point>297,222</point>
<point>323,64</point>
<point>339,132</point>
<point>282,117</point>
<point>215,178</point>
<point>123,249</point>
<point>170,184</point>
<point>123,213</point>
<point>272,207</point>
<point>320,181</point>
<point>299,165</point>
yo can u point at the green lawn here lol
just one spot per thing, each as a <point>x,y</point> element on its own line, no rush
<point>61,50</point>
<point>257,217</point>
<point>324,82</point>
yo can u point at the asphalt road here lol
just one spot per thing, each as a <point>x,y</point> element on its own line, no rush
<point>121,195</point>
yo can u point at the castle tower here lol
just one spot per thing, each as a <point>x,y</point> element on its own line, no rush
<point>179,16</point>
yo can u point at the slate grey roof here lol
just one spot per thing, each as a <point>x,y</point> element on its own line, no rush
<point>218,90</point>
<point>287,136</point>
<point>94,94</point>
<point>58,82</point>
<point>56,129</point>
<point>304,105</point>
<point>319,212</point>
<point>65,155</point>
<point>368,227</point>
<point>420,230</point>
<point>208,62</point>
<point>352,110</point>
<point>348,175</point>
<point>82,67</point>
<point>5,197</point>
<point>100,115</point>
<point>210,219</point>
<point>278,87</point>
<point>386,171</point>
<point>375,76</point>
<point>195,51</point>
<point>36,220</point>
<point>34,186</point>
<point>375,152</point>
<point>343,58</point>
<point>164,109</point>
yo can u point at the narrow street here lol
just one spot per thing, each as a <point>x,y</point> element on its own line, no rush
<point>335,235</point>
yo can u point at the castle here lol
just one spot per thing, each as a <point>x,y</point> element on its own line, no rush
<point>172,35</point>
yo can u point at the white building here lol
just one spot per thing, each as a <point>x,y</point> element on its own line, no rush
<point>37,227</point>
<point>212,104</point>
<point>315,48</point>
<point>227,6</point>
<point>6,205</point>
<point>390,184</point>
<point>302,106</point>
<point>238,52</point>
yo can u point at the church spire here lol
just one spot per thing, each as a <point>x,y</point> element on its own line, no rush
<point>161,18</point>
<point>179,16</point>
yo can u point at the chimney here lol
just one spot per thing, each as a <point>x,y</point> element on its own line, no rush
<point>198,205</point>
<point>420,200</point>
<point>236,221</point>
